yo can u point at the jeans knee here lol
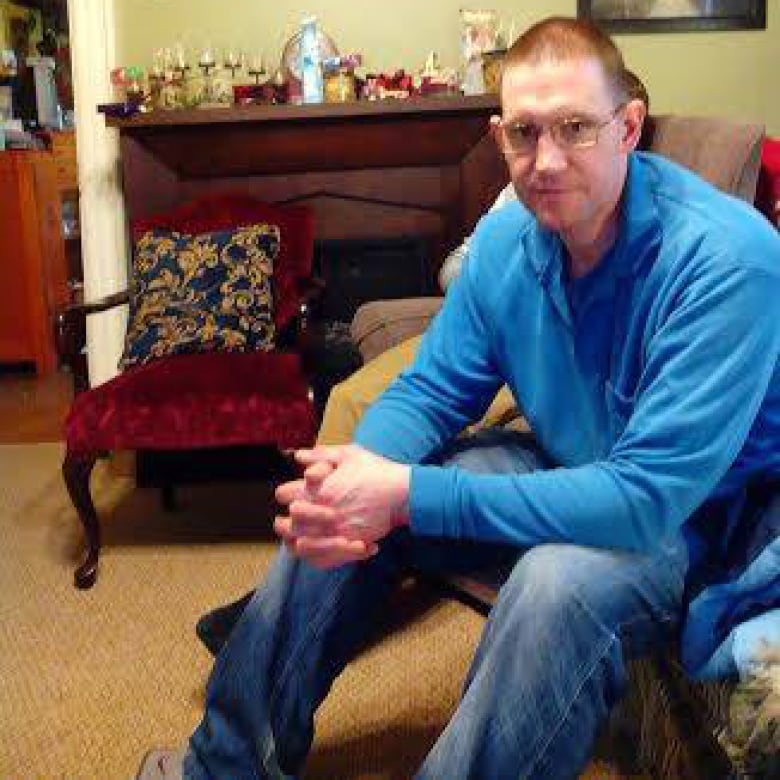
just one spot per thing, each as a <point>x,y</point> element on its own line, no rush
<point>545,575</point>
<point>569,588</point>
<point>561,583</point>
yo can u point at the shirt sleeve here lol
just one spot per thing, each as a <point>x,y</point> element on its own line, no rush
<point>707,372</point>
<point>450,384</point>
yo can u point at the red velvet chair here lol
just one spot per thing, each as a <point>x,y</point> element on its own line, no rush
<point>203,400</point>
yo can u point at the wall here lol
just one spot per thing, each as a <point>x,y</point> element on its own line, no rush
<point>730,74</point>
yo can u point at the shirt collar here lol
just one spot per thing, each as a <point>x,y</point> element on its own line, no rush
<point>639,230</point>
<point>640,226</point>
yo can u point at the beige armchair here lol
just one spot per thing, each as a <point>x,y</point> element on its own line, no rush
<point>725,153</point>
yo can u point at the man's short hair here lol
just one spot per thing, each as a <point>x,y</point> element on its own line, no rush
<point>636,89</point>
<point>560,38</point>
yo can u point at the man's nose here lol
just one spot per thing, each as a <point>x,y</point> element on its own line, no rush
<point>549,156</point>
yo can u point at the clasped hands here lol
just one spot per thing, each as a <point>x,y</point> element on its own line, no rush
<point>347,500</point>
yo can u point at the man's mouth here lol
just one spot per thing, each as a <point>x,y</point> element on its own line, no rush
<point>549,190</point>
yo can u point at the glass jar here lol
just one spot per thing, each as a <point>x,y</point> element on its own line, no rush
<point>491,69</point>
<point>340,85</point>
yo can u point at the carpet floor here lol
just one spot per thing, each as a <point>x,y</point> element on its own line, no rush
<point>90,680</point>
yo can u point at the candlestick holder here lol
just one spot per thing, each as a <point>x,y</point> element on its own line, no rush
<point>257,70</point>
<point>233,69</point>
<point>181,72</point>
<point>233,62</point>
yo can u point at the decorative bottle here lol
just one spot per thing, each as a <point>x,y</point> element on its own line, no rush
<point>311,68</point>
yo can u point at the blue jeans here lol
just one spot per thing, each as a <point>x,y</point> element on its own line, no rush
<point>549,666</point>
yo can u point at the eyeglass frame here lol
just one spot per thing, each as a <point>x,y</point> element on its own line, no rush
<point>552,127</point>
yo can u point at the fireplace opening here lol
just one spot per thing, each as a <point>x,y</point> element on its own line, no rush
<point>356,271</point>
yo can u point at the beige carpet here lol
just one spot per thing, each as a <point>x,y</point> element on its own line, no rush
<point>90,680</point>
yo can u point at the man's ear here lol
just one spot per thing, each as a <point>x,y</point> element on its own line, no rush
<point>633,118</point>
<point>494,128</point>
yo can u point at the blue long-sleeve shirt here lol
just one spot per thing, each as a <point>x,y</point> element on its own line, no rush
<point>653,381</point>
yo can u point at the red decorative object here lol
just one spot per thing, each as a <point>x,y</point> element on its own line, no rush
<point>259,94</point>
<point>431,86</point>
<point>396,85</point>
<point>768,193</point>
<point>201,400</point>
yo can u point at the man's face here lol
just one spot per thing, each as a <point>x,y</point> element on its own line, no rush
<point>568,187</point>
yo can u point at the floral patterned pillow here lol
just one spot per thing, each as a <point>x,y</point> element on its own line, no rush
<point>201,293</point>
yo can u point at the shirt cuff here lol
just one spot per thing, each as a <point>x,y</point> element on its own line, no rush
<point>427,488</point>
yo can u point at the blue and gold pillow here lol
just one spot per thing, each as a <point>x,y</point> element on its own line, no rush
<point>201,293</point>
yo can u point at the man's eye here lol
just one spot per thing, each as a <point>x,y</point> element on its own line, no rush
<point>523,132</point>
<point>574,129</point>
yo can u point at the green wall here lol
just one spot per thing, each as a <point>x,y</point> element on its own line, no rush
<point>732,74</point>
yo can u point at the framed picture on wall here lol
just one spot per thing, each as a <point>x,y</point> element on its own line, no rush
<point>635,16</point>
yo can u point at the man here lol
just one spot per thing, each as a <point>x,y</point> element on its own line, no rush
<point>630,308</point>
<point>348,400</point>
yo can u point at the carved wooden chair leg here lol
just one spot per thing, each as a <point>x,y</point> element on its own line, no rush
<point>77,469</point>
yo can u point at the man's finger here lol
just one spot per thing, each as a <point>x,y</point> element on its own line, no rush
<point>288,492</point>
<point>321,452</point>
<point>283,529</point>
<point>310,545</point>
<point>316,473</point>
<point>331,552</point>
<point>290,531</point>
<point>322,553</point>
<point>336,557</point>
<point>303,511</point>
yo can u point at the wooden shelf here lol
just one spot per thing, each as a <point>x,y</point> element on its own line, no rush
<point>457,104</point>
<point>259,140</point>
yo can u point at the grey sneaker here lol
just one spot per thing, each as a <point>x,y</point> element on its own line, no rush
<point>162,764</point>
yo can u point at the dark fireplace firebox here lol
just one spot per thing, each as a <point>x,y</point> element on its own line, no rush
<point>359,270</point>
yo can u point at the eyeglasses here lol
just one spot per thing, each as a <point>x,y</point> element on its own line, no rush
<point>570,133</point>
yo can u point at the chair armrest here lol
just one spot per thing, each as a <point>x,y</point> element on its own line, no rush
<point>379,325</point>
<point>725,153</point>
<point>70,334</point>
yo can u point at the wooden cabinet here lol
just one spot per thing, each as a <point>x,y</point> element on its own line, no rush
<point>33,278</point>
<point>63,149</point>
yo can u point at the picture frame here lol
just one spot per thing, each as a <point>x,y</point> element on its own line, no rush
<point>641,16</point>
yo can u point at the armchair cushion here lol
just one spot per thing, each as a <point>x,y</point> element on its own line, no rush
<point>725,153</point>
<point>225,211</point>
<point>194,401</point>
<point>379,325</point>
<point>201,293</point>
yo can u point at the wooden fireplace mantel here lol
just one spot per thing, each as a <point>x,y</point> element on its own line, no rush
<point>422,166</point>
